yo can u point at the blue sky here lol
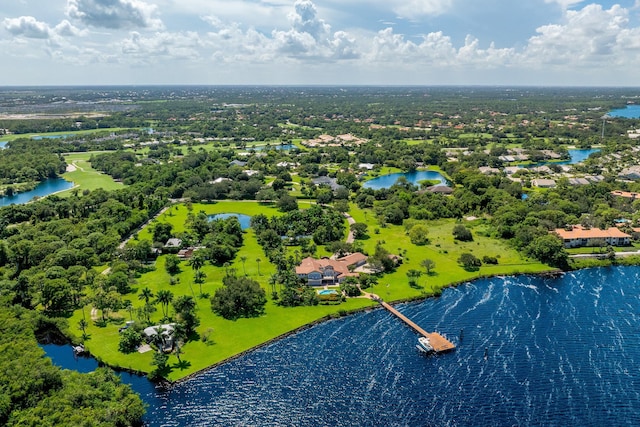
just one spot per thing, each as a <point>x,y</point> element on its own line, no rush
<point>399,42</point>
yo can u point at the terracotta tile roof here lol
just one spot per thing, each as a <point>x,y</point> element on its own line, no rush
<point>341,265</point>
<point>626,194</point>
<point>580,232</point>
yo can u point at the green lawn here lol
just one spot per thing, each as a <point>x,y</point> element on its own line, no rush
<point>54,134</point>
<point>228,338</point>
<point>444,251</point>
<point>85,177</point>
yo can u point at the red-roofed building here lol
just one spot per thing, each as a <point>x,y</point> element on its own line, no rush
<point>325,271</point>
<point>580,236</point>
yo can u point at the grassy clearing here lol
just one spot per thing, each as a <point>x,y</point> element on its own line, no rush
<point>85,177</point>
<point>444,251</point>
<point>59,134</point>
<point>228,338</point>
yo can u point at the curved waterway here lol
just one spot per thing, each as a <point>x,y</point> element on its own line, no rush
<point>45,188</point>
<point>530,351</point>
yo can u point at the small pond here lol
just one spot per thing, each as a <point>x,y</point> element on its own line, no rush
<point>630,112</point>
<point>284,147</point>
<point>45,188</point>
<point>41,137</point>
<point>245,220</point>
<point>386,181</point>
<point>3,144</point>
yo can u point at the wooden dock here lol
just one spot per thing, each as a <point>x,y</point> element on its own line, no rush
<point>438,342</point>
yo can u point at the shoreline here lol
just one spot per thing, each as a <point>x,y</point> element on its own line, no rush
<point>169,384</point>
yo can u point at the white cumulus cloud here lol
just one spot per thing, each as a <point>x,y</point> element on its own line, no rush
<point>27,26</point>
<point>114,14</point>
<point>590,35</point>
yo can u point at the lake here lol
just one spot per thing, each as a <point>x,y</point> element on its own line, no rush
<point>576,156</point>
<point>43,189</point>
<point>245,220</point>
<point>630,112</point>
<point>530,351</point>
<point>386,181</point>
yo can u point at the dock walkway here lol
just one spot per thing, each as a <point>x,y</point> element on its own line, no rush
<point>437,341</point>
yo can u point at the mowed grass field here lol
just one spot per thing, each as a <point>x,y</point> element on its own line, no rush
<point>229,338</point>
<point>45,135</point>
<point>444,251</point>
<point>85,177</point>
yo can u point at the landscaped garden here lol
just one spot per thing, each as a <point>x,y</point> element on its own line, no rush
<point>219,339</point>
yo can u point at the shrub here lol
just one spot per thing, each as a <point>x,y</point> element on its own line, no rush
<point>462,233</point>
<point>489,260</point>
<point>130,339</point>
<point>469,261</point>
<point>419,235</point>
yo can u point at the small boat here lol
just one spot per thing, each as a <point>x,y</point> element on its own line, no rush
<point>424,345</point>
<point>78,349</point>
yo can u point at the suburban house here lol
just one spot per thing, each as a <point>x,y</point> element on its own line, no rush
<point>439,189</point>
<point>172,246</point>
<point>543,183</point>
<point>325,180</point>
<point>581,236</point>
<point>625,194</point>
<point>326,271</point>
<point>166,334</point>
<point>632,173</point>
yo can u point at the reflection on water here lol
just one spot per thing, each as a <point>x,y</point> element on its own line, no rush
<point>43,189</point>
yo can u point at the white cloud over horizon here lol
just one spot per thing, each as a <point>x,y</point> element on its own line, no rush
<point>319,42</point>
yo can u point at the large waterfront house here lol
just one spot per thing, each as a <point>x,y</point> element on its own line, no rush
<point>578,236</point>
<point>329,272</point>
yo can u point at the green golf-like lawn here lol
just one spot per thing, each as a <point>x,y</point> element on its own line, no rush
<point>228,338</point>
<point>85,177</point>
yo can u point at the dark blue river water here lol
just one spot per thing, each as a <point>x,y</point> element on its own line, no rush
<point>534,351</point>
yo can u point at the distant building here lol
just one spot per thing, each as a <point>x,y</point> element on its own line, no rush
<point>219,180</point>
<point>238,163</point>
<point>579,181</point>
<point>543,183</point>
<point>632,172</point>
<point>367,166</point>
<point>486,170</point>
<point>325,180</point>
<point>173,243</point>
<point>579,236</point>
<point>625,194</point>
<point>440,189</point>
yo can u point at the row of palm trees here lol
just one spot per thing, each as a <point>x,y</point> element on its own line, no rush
<point>164,297</point>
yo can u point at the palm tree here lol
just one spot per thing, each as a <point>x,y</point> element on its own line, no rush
<point>164,298</point>
<point>243,259</point>
<point>129,306</point>
<point>82,324</point>
<point>197,261</point>
<point>258,262</point>
<point>145,294</point>
<point>199,277</point>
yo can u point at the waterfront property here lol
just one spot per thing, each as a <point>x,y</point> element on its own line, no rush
<point>579,236</point>
<point>329,272</point>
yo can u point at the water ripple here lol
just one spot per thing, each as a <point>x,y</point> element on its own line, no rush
<point>562,351</point>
